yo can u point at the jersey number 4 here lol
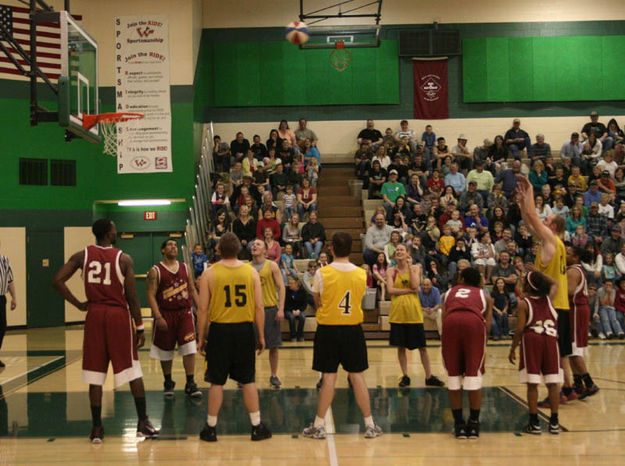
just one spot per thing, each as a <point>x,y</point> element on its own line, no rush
<point>240,298</point>
<point>345,304</point>
<point>95,271</point>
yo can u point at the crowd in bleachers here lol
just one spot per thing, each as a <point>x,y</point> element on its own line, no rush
<point>456,207</point>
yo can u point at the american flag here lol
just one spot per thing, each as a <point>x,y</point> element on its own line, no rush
<point>48,44</point>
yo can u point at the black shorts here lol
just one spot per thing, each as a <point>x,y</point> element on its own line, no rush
<point>565,343</point>
<point>409,336</point>
<point>230,352</point>
<point>340,344</point>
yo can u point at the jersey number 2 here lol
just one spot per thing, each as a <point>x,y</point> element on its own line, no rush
<point>95,269</point>
<point>345,303</point>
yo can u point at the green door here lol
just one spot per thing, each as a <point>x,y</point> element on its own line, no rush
<point>44,256</point>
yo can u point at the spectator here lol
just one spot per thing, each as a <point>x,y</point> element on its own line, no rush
<point>599,130</point>
<point>287,154</point>
<point>236,175</point>
<point>580,238</point>
<point>516,139</point>
<point>249,163</point>
<point>287,263</point>
<point>362,159</point>
<point>311,153</point>
<point>290,202</point>
<point>240,147</point>
<point>619,260</point>
<point>260,176</point>
<point>382,157</point>
<point>306,199</point>
<point>274,141</point>
<point>268,220</point>
<point>540,150</point>
<point>462,155</point>
<point>591,151</point>
<point>221,155</point>
<point>199,260</point>
<point>430,299</point>
<point>617,136</point>
<point>244,227</point>
<point>483,254</point>
<point>429,140</point>
<point>302,133</point>
<point>484,179</point>
<point>604,208</point>
<point>379,274</point>
<point>440,152</point>
<point>606,186</point>
<point>439,278</point>
<point>370,135</point>
<point>508,178</point>
<point>573,149</point>
<point>469,198</point>
<point>391,190</point>
<point>219,199</point>
<point>449,197</point>
<point>414,190</point>
<point>220,226</point>
<point>457,253</point>
<point>560,209</point>
<point>594,267</point>
<point>542,210</point>
<point>609,272</point>
<point>285,133</point>
<point>607,312</point>
<point>614,243</point>
<point>593,194</point>
<point>497,199</point>
<point>258,148</point>
<point>577,178</point>
<point>292,234</point>
<point>559,179</point>
<point>268,204</point>
<point>279,181</point>
<point>608,164</point>
<point>377,237</point>
<point>498,151</point>
<point>501,244</point>
<point>313,235</point>
<point>436,184</point>
<point>480,153</point>
<point>501,306</point>
<point>294,308</point>
<point>507,272</point>
<point>455,179</point>
<point>407,135</point>
<point>401,167</point>
<point>538,176</point>
<point>273,247</point>
<point>308,279</point>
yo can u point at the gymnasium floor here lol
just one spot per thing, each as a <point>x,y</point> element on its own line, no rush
<point>45,416</point>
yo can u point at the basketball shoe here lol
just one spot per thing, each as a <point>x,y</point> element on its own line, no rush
<point>146,429</point>
<point>191,390</point>
<point>532,429</point>
<point>96,435</point>
<point>208,434</point>
<point>314,432</point>
<point>373,431</point>
<point>260,432</point>
<point>460,430</point>
<point>168,389</point>
<point>473,429</point>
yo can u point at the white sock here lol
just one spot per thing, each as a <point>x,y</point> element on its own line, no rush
<point>211,420</point>
<point>319,422</point>
<point>255,418</point>
<point>369,421</point>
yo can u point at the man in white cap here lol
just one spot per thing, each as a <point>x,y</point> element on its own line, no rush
<point>462,155</point>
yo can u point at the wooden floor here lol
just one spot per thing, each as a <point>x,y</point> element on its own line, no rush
<point>45,417</point>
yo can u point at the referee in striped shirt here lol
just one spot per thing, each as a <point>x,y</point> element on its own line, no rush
<point>6,284</point>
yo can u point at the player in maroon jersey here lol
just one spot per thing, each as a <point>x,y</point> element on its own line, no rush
<point>109,336</point>
<point>467,318</point>
<point>537,331</point>
<point>171,295</point>
<point>580,320</point>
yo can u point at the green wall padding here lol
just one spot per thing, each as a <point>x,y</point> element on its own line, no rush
<point>543,69</point>
<point>249,74</point>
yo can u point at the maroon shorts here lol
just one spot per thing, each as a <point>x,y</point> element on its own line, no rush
<point>464,349</point>
<point>109,336</point>
<point>180,329</point>
<point>580,321</point>
<point>540,354</point>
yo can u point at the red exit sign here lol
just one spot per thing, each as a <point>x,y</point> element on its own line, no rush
<point>149,215</point>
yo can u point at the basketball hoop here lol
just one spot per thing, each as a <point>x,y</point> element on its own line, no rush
<point>340,58</point>
<point>108,125</point>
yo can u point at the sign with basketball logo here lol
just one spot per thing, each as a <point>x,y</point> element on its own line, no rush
<point>431,92</point>
<point>142,81</point>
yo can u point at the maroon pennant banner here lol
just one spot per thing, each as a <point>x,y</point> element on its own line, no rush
<point>431,94</point>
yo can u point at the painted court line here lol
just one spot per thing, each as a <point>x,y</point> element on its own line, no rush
<point>330,430</point>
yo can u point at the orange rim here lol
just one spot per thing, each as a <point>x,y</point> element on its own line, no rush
<point>88,121</point>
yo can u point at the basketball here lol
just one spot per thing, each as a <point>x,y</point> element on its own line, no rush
<point>297,32</point>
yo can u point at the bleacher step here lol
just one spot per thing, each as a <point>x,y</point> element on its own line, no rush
<point>340,211</point>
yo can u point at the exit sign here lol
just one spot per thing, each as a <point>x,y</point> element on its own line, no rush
<point>149,215</point>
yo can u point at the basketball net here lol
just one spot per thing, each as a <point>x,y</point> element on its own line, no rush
<point>108,127</point>
<point>340,58</point>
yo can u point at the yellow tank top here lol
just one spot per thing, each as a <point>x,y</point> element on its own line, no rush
<point>268,285</point>
<point>406,308</point>
<point>341,296</point>
<point>232,296</point>
<point>556,269</point>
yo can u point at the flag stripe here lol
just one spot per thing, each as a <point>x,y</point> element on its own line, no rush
<point>17,72</point>
<point>52,35</point>
<point>41,64</point>
<point>56,56</point>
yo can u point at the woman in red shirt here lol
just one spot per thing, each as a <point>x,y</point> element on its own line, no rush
<point>306,198</point>
<point>436,184</point>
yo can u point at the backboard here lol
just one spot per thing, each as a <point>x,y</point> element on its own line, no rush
<point>78,82</point>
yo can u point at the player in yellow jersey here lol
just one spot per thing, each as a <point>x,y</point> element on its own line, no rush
<point>273,300</point>
<point>551,260</point>
<point>230,301</point>
<point>406,316</point>
<point>338,290</point>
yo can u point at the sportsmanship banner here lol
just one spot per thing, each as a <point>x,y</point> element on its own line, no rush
<point>142,86</point>
<point>431,94</point>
